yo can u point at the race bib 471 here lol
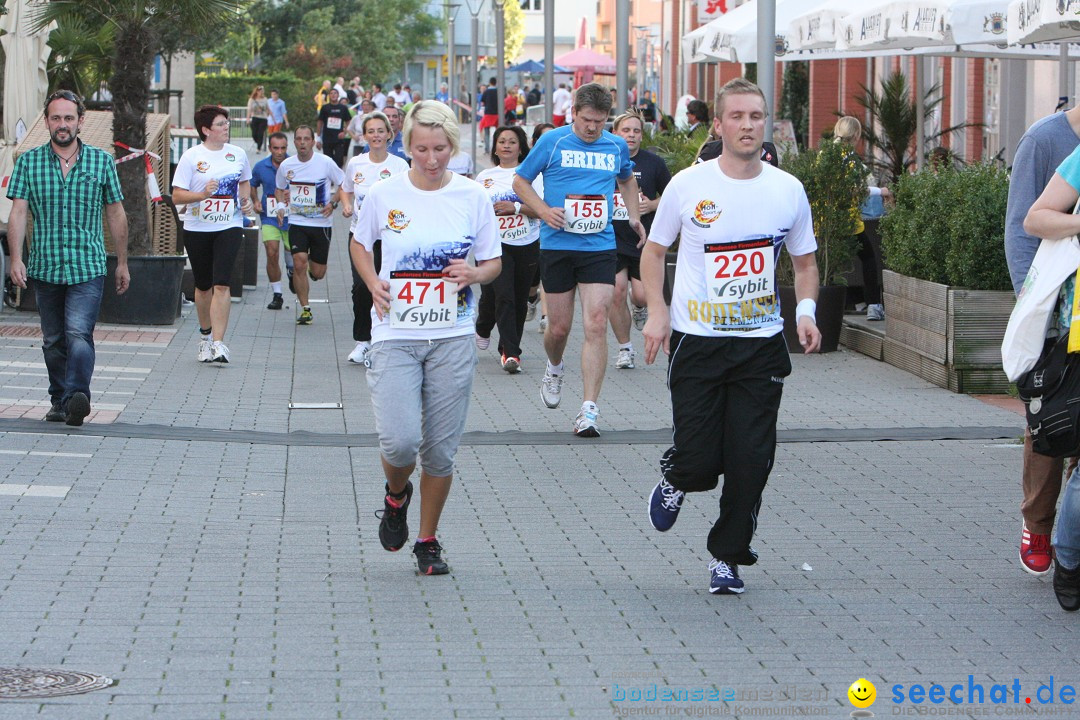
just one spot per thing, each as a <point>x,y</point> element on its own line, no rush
<point>422,299</point>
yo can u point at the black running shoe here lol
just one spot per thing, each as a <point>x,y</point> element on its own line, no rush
<point>393,525</point>
<point>56,413</point>
<point>429,558</point>
<point>78,407</point>
<point>276,303</point>
<point>292,289</point>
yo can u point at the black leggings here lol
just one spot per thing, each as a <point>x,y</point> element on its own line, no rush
<point>212,255</point>
<point>361,298</point>
<point>871,270</point>
<point>504,301</point>
<point>258,131</point>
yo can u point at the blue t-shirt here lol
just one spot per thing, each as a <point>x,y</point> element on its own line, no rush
<point>264,175</point>
<point>571,166</point>
<point>397,147</point>
<point>1069,170</point>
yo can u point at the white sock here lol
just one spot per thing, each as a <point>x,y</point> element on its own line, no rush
<point>554,369</point>
<point>590,405</point>
<point>627,346</point>
<point>276,287</point>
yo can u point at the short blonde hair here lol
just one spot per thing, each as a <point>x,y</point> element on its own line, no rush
<point>432,114</point>
<point>628,115</point>
<point>375,115</point>
<point>738,86</point>
<point>847,129</point>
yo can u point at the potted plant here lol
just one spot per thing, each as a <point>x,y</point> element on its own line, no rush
<point>138,26</point>
<point>835,182</point>
<point>946,283</point>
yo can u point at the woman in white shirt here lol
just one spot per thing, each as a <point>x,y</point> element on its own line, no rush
<point>506,300</point>
<point>361,174</point>
<point>422,360</point>
<point>212,179</point>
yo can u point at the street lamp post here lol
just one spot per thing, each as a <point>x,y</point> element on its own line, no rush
<point>500,47</point>
<point>622,52</point>
<point>470,86</point>
<point>451,13</point>
<point>641,61</point>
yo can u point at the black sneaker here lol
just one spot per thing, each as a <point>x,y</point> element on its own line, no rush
<point>393,527</point>
<point>1067,587</point>
<point>429,558</point>
<point>78,407</point>
<point>291,288</point>
<point>56,413</point>
<point>276,303</point>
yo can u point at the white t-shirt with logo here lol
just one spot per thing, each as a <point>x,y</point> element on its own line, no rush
<point>361,174</point>
<point>513,229</point>
<point>731,233</point>
<point>229,166</point>
<point>421,231</point>
<point>308,187</point>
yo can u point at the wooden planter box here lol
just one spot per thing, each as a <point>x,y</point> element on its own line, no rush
<point>946,335</point>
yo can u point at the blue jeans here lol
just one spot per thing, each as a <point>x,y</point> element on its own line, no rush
<point>68,314</point>
<point>1067,529</point>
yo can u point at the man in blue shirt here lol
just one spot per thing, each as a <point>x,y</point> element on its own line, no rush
<point>397,145</point>
<point>581,165</point>
<point>264,175</point>
<point>279,114</point>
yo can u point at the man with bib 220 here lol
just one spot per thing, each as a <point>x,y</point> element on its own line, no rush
<point>581,164</point>
<point>305,185</point>
<point>733,216</point>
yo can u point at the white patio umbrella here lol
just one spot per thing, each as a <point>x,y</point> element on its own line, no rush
<point>819,29</point>
<point>1032,21</point>
<point>25,81</point>
<point>692,45</point>
<point>732,37</point>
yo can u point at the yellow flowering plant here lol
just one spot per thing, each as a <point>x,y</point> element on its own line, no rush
<point>835,182</point>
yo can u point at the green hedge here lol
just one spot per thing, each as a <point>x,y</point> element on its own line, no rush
<point>949,227</point>
<point>236,89</point>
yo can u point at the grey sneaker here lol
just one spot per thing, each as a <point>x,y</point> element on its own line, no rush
<point>585,422</point>
<point>543,324</point>
<point>551,389</point>
<point>640,315</point>
<point>206,350</point>
<point>875,312</point>
<point>625,361</point>
<point>531,312</point>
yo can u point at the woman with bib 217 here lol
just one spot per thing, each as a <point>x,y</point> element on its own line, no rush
<point>422,359</point>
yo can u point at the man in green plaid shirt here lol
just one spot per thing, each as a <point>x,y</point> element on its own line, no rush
<point>64,184</point>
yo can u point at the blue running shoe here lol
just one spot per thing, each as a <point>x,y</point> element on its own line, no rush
<point>725,579</point>
<point>664,505</point>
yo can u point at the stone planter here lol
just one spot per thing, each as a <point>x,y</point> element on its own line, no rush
<point>946,335</point>
<point>830,316</point>
<point>154,295</point>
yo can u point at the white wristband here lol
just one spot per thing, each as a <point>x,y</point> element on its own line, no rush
<point>517,208</point>
<point>806,307</point>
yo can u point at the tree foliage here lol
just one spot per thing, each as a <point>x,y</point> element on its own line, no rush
<point>326,37</point>
<point>138,27</point>
<point>894,110</point>
<point>795,99</point>
<point>513,29</point>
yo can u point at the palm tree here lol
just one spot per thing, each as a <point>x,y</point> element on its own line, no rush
<point>137,27</point>
<point>894,110</point>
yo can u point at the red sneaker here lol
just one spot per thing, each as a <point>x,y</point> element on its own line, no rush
<point>1035,552</point>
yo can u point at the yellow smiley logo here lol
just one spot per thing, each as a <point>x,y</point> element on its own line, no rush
<point>862,693</point>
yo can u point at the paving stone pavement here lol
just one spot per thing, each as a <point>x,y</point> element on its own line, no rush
<point>227,579</point>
